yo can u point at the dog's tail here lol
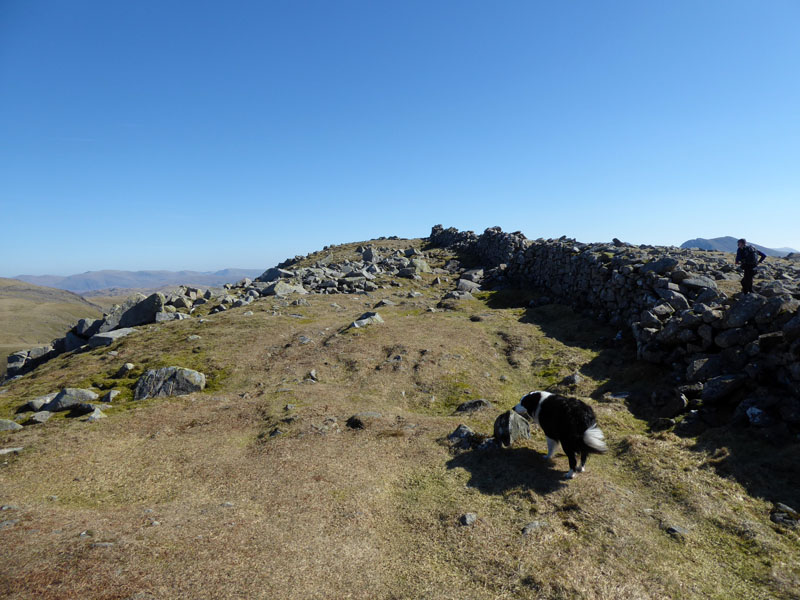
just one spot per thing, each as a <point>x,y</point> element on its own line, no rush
<point>594,439</point>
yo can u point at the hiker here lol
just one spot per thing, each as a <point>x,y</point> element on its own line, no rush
<point>748,257</point>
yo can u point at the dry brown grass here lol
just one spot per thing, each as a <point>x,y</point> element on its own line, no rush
<point>323,511</point>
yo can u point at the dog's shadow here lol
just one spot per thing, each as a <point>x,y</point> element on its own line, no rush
<point>496,470</point>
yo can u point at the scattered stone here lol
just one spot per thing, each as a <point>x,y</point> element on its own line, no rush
<point>8,523</point>
<point>533,527</point>
<point>95,416</point>
<point>124,370</point>
<point>110,396</point>
<point>677,532</point>
<point>462,437</point>
<point>473,405</point>
<point>467,519</point>
<point>368,318</point>
<point>10,450</point>
<point>39,417</point>
<point>362,420</point>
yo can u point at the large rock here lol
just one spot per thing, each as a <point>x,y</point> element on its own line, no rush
<point>136,311</point>
<point>168,381</point>
<point>69,398</point>
<point>86,328</point>
<point>109,337</point>
<point>510,427</point>
<point>36,404</point>
<point>281,288</point>
<point>6,425</point>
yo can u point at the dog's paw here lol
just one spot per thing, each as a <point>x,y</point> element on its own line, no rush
<point>580,469</point>
<point>570,474</point>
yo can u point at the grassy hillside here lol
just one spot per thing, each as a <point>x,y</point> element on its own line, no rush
<point>31,315</point>
<point>257,488</point>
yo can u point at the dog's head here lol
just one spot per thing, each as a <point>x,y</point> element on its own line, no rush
<point>529,403</point>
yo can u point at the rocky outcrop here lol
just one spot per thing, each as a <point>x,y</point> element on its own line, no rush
<point>120,321</point>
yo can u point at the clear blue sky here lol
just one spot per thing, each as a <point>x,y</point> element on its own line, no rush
<point>201,135</point>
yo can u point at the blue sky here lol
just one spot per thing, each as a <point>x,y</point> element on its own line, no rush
<point>201,135</point>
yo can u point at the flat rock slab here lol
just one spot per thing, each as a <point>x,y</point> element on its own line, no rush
<point>6,425</point>
<point>169,381</point>
<point>69,398</point>
<point>108,338</point>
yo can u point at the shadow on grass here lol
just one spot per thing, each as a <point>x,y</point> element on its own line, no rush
<point>498,471</point>
<point>762,461</point>
<point>765,465</point>
<point>615,363</point>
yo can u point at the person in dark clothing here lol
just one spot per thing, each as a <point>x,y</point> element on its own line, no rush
<point>748,257</point>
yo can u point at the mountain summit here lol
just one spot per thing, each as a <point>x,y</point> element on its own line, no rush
<point>728,244</point>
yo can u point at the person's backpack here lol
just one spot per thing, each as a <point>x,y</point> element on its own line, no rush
<point>750,256</point>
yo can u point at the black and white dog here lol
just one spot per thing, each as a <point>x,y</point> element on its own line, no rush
<point>565,421</point>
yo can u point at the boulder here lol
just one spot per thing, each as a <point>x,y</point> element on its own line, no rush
<point>69,398</point>
<point>136,311</point>
<point>510,427</point>
<point>281,288</point>
<point>86,328</point>
<point>6,425</point>
<point>40,417</point>
<point>465,285</point>
<point>168,381</point>
<point>36,404</point>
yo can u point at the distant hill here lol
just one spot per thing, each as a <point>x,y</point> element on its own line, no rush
<point>728,244</point>
<point>31,315</point>
<point>102,280</point>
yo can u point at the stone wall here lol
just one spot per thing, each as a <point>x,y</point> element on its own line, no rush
<point>739,353</point>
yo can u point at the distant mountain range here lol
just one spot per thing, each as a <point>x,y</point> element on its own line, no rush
<point>101,280</point>
<point>729,244</point>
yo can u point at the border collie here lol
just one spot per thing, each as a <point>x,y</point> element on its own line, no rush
<point>566,421</point>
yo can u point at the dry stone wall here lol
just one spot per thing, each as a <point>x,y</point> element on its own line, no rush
<point>738,354</point>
